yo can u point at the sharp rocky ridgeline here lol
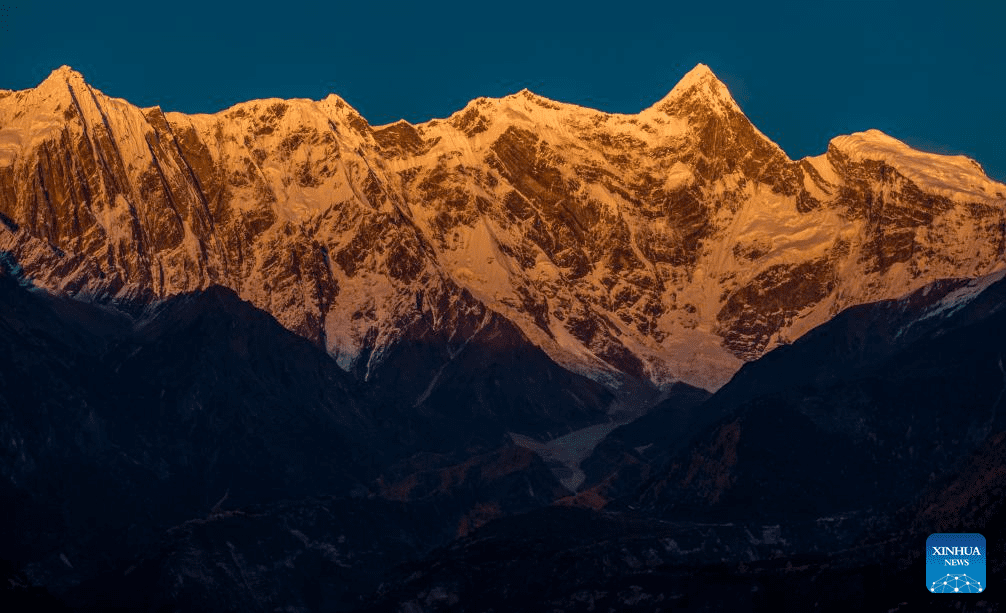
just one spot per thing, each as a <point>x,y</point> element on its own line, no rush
<point>671,245</point>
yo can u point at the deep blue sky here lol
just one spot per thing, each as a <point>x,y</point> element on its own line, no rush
<point>930,73</point>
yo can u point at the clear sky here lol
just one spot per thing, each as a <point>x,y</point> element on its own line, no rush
<point>930,73</point>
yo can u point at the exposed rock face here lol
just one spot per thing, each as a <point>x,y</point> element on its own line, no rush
<point>669,245</point>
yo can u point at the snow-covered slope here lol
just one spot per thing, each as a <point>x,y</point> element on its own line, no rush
<point>669,245</point>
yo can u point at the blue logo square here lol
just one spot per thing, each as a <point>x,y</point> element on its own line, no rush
<point>955,563</point>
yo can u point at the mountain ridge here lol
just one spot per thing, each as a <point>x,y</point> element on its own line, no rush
<point>669,245</point>
<point>700,75</point>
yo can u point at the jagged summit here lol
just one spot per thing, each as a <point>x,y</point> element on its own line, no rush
<point>64,74</point>
<point>524,95</point>
<point>699,86</point>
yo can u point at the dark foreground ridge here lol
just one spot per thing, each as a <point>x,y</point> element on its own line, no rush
<point>195,455</point>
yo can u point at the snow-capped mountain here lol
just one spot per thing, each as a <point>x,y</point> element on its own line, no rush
<point>670,245</point>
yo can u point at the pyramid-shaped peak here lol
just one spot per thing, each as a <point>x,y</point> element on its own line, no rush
<point>696,75</point>
<point>699,86</point>
<point>335,102</point>
<point>63,74</point>
<point>703,79</point>
<point>66,72</point>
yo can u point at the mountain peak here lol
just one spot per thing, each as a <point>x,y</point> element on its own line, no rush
<point>698,74</point>
<point>872,137</point>
<point>60,81</point>
<point>64,74</point>
<point>699,85</point>
<point>953,176</point>
<point>527,94</point>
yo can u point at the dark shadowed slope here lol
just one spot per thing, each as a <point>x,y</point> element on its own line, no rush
<point>115,429</point>
<point>858,414</point>
<point>199,427</point>
<point>820,472</point>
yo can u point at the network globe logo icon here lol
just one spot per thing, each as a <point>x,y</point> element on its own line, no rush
<point>955,563</point>
<point>956,583</point>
